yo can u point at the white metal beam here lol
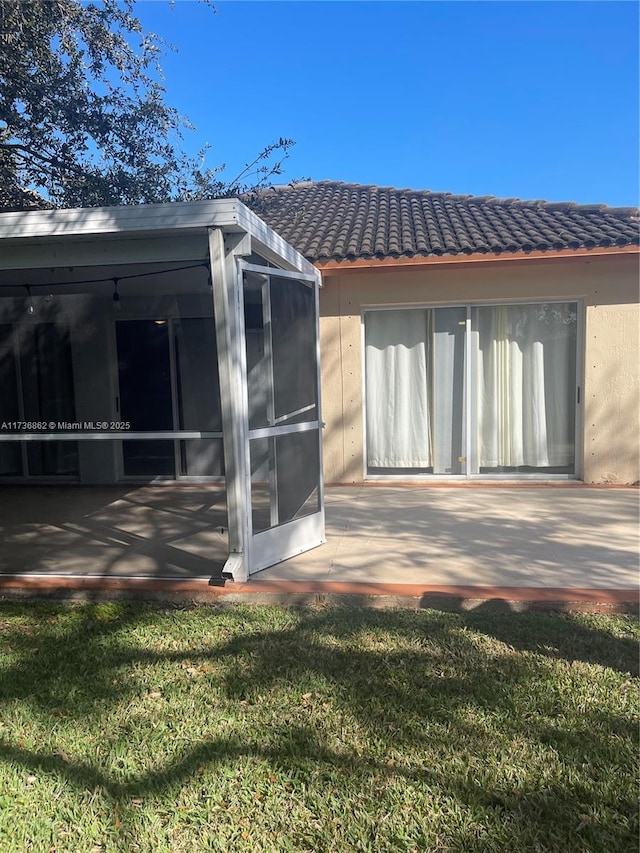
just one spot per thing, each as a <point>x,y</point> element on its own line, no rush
<point>19,255</point>
<point>272,246</point>
<point>148,218</point>
<point>61,233</point>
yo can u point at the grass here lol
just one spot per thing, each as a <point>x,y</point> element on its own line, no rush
<point>124,728</point>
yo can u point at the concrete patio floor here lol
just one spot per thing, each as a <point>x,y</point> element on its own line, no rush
<point>570,537</point>
<point>175,531</point>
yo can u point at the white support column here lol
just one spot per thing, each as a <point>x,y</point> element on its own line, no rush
<point>232,370</point>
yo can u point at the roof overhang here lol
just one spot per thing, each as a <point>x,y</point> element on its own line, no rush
<point>138,234</point>
<point>360,265</point>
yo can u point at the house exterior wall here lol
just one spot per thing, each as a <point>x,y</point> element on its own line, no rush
<point>608,367</point>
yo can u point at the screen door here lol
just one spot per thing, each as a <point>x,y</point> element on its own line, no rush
<point>284,491</point>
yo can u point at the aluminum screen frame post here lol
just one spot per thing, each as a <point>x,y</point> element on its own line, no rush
<point>233,395</point>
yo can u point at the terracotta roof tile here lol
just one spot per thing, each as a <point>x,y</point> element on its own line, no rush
<point>331,220</point>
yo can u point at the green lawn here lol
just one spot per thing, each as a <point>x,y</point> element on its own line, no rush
<point>124,728</point>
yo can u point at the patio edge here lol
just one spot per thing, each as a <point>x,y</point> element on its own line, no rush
<point>317,593</point>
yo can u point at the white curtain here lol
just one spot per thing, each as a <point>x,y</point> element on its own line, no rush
<point>398,388</point>
<point>525,385</point>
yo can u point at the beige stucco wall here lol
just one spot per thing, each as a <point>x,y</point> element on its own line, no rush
<point>608,368</point>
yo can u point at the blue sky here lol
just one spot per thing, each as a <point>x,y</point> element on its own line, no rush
<point>533,100</point>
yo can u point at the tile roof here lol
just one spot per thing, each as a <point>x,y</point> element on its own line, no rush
<point>331,220</point>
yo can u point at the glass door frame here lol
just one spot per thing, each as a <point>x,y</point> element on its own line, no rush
<point>471,449</point>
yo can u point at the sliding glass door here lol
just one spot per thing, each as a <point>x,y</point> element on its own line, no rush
<point>168,381</point>
<point>146,398</point>
<point>11,463</point>
<point>36,387</point>
<point>471,390</point>
<point>524,369</point>
<point>415,376</point>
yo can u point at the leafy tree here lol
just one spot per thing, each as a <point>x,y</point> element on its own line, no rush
<point>83,120</point>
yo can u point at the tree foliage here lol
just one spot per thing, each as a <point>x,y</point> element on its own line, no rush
<point>83,120</point>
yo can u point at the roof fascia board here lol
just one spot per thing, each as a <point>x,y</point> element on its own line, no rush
<point>331,268</point>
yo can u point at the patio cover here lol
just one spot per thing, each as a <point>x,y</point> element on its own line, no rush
<point>225,235</point>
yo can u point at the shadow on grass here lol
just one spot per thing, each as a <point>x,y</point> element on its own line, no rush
<point>417,685</point>
<point>547,634</point>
